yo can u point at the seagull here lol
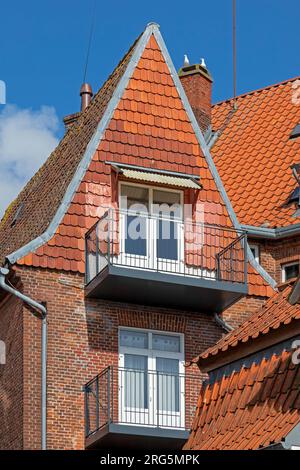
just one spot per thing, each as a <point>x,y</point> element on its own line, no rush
<point>203,64</point>
<point>186,61</point>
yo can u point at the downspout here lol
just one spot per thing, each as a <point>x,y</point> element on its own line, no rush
<point>43,310</point>
<point>223,323</point>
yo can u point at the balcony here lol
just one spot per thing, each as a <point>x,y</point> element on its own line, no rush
<point>167,262</point>
<point>140,409</point>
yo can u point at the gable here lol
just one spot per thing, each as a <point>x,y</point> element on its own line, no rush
<point>147,123</point>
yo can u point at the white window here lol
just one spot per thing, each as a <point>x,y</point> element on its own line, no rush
<point>151,227</point>
<point>151,378</point>
<point>289,271</point>
<point>255,251</point>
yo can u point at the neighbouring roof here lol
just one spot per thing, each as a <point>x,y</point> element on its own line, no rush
<point>254,152</point>
<point>250,408</point>
<point>277,311</point>
<point>251,401</point>
<point>42,196</point>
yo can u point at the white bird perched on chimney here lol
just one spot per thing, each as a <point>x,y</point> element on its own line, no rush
<point>203,64</point>
<point>186,61</point>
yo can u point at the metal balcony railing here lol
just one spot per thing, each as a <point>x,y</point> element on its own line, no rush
<point>141,398</point>
<point>167,245</point>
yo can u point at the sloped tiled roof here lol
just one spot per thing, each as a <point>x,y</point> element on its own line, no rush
<point>149,127</point>
<point>254,152</point>
<point>250,408</point>
<point>275,312</point>
<point>43,194</point>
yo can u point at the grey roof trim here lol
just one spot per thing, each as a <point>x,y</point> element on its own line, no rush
<point>211,142</point>
<point>260,269</point>
<point>206,152</point>
<point>272,233</point>
<point>89,152</point>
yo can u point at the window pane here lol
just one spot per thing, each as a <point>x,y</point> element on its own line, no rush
<point>168,384</point>
<point>165,197</point>
<point>136,235</point>
<point>166,205</point>
<point>166,343</point>
<point>134,339</point>
<point>136,381</point>
<point>291,271</point>
<point>167,240</point>
<point>255,251</point>
<point>134,198</point>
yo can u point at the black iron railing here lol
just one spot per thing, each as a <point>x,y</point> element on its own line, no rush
<point>167,245</point>
<point>141,398</point>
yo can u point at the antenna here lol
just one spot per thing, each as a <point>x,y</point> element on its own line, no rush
<point>234,51</point>
<point>92,27</point>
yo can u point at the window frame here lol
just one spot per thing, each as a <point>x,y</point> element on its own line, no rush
<point>151,220</point>
<point>286,265</point>
<point>256,248</point>
<point>149,351</point>
<point>151,189</point>
<point>147,413</point>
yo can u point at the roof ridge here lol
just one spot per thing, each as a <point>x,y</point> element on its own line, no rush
<point>257,90</point>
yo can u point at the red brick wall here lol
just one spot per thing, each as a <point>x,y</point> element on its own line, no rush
<point>82,341</point>
<point>241,310</point>
<point>11,375</point>
<point>275,253</point>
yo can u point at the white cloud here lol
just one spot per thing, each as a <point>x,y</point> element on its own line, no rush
<point>27,137</point>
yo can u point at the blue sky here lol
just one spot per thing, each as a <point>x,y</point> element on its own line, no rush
<point>43,43</point>
<point>43,47</point>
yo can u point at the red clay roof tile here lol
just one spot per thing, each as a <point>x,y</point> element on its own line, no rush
<point>248,414</point>
<point>276,312</point>
<point>254,153</point>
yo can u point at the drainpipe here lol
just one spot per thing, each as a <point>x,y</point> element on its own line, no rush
<point>223,323</point>
<point>43,310</point>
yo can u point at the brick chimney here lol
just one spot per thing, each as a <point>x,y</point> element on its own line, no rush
<point>197,83</point>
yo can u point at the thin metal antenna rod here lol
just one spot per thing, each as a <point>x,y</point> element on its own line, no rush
<point>90,41</point>
<point>234,51</point>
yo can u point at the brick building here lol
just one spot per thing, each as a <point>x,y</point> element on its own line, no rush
<point>119,315</point>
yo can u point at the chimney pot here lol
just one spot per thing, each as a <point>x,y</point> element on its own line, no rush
<point>86,94</point>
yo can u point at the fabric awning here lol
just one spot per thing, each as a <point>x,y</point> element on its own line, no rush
<point>168,178</point>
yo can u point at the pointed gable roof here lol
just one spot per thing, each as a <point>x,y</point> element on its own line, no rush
<point>140,116</point>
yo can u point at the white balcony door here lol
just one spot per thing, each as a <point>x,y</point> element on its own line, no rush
<point>151,378</point>
<point>151,228</point>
